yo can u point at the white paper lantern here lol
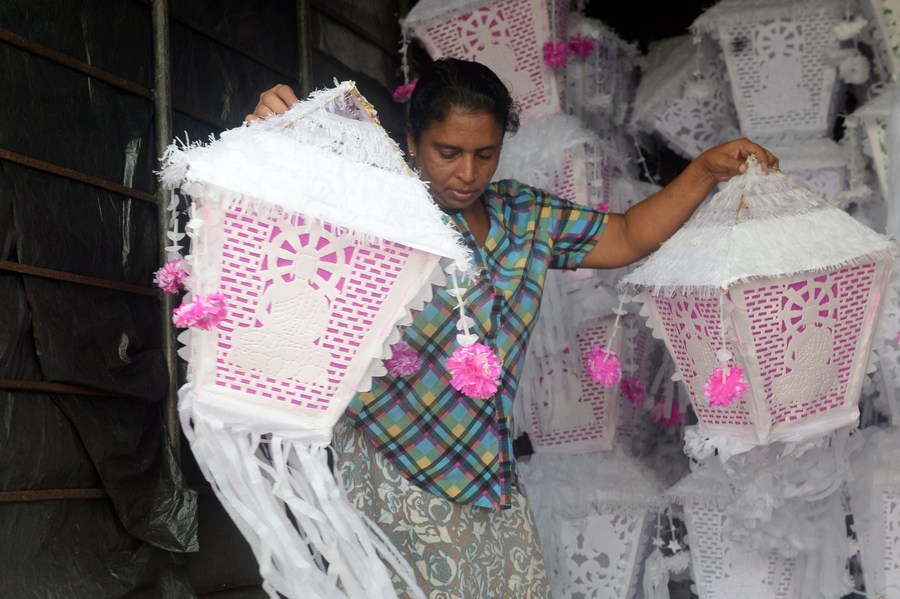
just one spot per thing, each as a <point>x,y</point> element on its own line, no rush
<point>594,514</point>
<point>642,360</point>
<point>875,502</point>
<point>785,283</point>
<point>776,52</point>
<point>721,568</point>
<point>585,419</point>
<point>873,117</point>
<point>506,35</point>
<point>314,281</point>
<point>684,97</point>
<point>600,87</point>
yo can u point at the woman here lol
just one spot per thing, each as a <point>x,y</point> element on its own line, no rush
<point>433,467</point>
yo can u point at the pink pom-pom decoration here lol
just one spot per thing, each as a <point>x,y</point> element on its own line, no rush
<point>170,278</point>
<point>603,366</point>
<point>404,361</point>
<point>476,371</point>
<point>556,54</point>
<point>658,414</point>
<point>603,206</point>
<point>203,312</point>
<point>581,46</point>
<point>402,93</point>
<point>722,389</point>
<point>633,390</point>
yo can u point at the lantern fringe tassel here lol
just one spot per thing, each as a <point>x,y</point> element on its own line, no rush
<point>278,489</point>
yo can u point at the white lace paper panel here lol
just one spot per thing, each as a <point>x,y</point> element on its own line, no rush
<point>508,37</point>
<point>779,76</point>
<point>723,570</point>
<point>598,556</point>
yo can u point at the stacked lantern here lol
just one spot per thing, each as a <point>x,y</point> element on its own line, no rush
<point>583,420</point>
<point>294,298</point>
<point>642,362</point>
<point>873,118</point>
<point>820,165</point>
<point>684,97</point>
<point>723,569</point>
<point>875,503</point>
<point>506,35</point>
<point>769,284</point>
<point>776,52</point>
<point>594,537</point>
<point>600,84</point>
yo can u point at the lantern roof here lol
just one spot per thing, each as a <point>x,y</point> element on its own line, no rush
<point>327,158</point>
<point>667,67</point>
<point>758,225</point>
<point>878,107</point>
<point>426,10</point>
<point>754,11</point>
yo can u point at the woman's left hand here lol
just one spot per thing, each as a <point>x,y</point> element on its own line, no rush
<point>730,159</point>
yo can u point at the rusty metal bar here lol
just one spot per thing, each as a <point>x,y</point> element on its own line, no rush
<point>74,175</point>
<point>162,98</point>
<point>101,75</point>
<point>49,387</point>
<point>304,47</point>
<point>68,277</point>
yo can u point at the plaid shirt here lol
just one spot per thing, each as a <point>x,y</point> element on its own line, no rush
<point>444,442</point>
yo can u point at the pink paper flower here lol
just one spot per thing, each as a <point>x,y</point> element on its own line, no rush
<point>170,278</point>
<point>658,414</point>
<point>203,312</point>
<point>603,366</point>
<point>581,46</point>
<point>722,390</point>
<point>556,54</point>
<point>402,93</point>
<point>633,390</point>
<point>404,361</point>
<point>603,206</point>
<point>476,371</point>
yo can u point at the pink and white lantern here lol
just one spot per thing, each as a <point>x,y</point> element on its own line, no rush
<point>776,52</point>
<point>314,281</point>
<point>773,287</point>
<point>684,97</point>
<point>584,419</point>
<point>506,35</point>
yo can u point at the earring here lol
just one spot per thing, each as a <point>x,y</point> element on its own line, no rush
<point>412,153</point>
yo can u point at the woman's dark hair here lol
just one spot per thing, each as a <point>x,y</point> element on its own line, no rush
<point>452,84</point>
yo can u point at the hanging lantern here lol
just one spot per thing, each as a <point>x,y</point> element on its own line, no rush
<point>509,36</point>
<point>767,300</point>
<point>311,281</point>
<point>594,537</point>
<point>875,504</point>
<point>722,568</point>
<point>684,97</point>
<point>584,419</point>
<point>776,52</point>
<point>642,360</point>
<point>600,82</point>
<point>884,21</point>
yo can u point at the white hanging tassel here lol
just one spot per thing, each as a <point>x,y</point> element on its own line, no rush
<point>307,537</point>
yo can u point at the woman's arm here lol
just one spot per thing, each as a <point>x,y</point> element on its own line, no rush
<point>646,225</point>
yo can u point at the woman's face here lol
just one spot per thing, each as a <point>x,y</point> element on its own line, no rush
<point>458,157</point>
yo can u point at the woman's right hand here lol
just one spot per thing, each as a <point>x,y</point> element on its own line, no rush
<point>273,101</point>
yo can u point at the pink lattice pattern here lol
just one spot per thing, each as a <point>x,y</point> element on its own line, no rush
<point>593,436</point>
<point>518,24</point>
<point>840,298</point>
<point>360,296</point>
<point>695,320</point>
